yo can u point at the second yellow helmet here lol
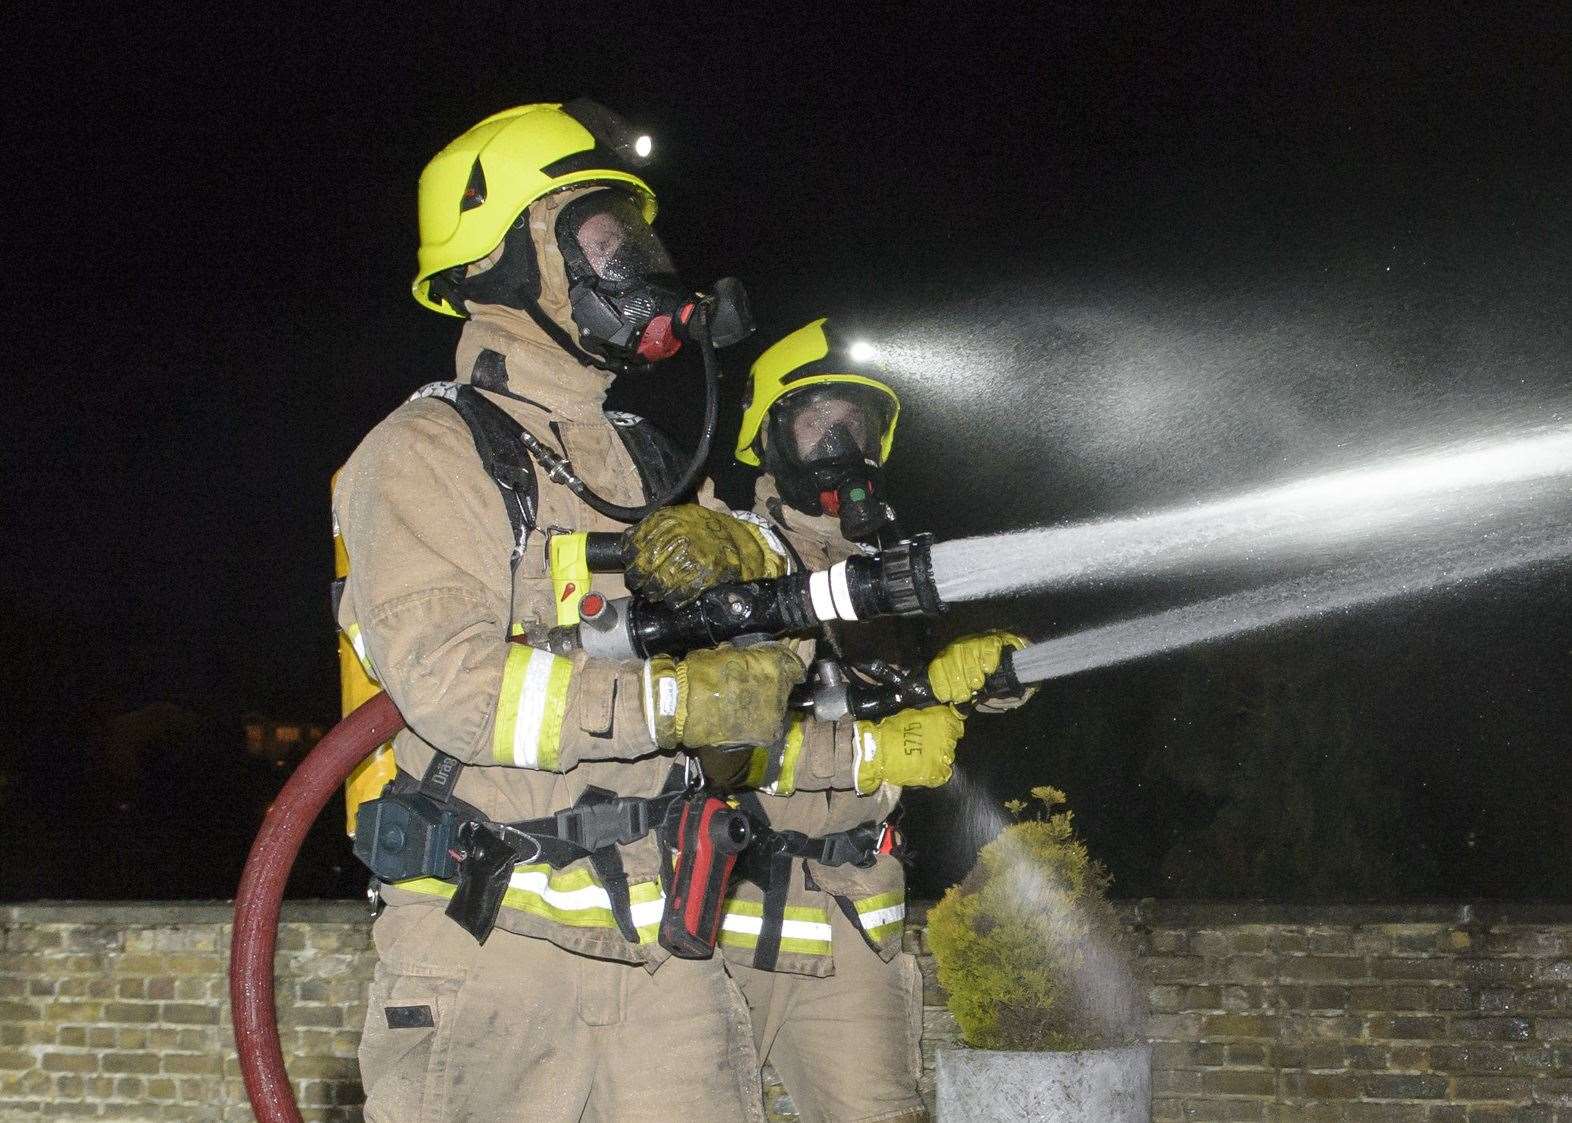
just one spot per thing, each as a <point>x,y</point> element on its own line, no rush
<point>813,355</point>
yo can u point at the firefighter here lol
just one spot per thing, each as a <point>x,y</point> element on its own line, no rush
<point>814,935</point>
<point>519,971</point>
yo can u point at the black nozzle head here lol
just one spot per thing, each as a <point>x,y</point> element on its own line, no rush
<point>906,578</point>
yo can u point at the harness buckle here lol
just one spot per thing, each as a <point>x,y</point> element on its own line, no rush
<point>610,822</point>
<point>856,847</point>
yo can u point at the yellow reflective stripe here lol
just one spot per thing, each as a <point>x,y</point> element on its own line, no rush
<point>570,575</point>
<point>758,765</point>
<point>786,782</point>
<point>879,914</point>
<point>530,708</point>
<point>357,643</point>
<point>788,943</point>
<point>574,898</point>
<point>791,912</point>
<point>804,928</point>
<point>882,901</point>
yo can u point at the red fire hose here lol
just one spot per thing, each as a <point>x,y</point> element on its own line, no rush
<point>261,893</point>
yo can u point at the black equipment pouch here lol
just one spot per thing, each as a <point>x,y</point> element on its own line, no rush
<point>482,878</point>
<point>420,829</point>
<point>707,834</point>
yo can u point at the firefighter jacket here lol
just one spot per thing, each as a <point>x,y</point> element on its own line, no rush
<point>812,793</point>
<point>434,595</point>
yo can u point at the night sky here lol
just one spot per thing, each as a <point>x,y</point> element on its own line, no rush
<point>1131,258</point>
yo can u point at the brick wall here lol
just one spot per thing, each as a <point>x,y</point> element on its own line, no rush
<point>1422,1012</point>
<point>1416,1012</point>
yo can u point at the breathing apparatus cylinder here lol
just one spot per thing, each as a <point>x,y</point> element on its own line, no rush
<point>357,687</point>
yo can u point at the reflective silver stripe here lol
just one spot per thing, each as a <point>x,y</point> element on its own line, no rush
<point>357,644</point>
<point>746,925</point>
<point>649,701</point>
<point>532,708</point>
<point>586,897</point>
<point>843,600</point>
<point>878,918</point>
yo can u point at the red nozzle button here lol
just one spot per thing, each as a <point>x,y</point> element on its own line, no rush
<point>591,606</point>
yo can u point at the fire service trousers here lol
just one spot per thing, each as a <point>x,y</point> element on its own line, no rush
<point>848,1047</point>
<point>521,1029</point>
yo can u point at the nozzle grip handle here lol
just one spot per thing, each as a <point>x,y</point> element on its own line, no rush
<point>1002,683</point>
<point>603,551</point>
<point>871,701</point>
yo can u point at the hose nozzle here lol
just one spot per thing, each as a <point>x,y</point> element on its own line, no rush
<point>897,581</point>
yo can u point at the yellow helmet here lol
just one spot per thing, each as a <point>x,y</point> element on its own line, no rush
<point>810,356</point>
<point>474,189</point>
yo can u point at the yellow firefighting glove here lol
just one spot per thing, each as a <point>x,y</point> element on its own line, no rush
<point>914,748</point>
<point>958,671</point>
<point>680,551</point>
<point>721,696</point>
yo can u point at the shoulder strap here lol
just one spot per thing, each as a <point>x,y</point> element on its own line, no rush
<point>659,462</point>
<point>502,454</point>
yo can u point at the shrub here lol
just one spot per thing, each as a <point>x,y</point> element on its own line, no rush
<point>1032,953</point>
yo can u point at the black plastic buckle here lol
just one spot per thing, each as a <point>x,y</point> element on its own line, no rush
<point>856,847</point>
<point>597,825</point>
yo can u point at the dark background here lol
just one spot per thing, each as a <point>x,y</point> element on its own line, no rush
<point>1126,259</point>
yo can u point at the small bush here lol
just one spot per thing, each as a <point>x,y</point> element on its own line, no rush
<point>1032,953</point>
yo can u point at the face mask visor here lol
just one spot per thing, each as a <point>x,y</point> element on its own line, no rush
<point>832,423</point>
<point>603,237</point>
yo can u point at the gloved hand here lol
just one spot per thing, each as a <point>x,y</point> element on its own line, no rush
<point>958,671</point>
<point>680,551</point>
<point>914,748</point>
<point>721,696</point>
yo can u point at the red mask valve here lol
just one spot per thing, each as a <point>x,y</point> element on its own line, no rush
<point>659,341</point>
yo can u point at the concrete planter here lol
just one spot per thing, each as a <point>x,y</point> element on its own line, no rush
<point>1101,1085</point>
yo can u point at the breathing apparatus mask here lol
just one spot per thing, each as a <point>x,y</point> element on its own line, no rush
<point>823,445</point>
<point>624,296</point>
<point>623,289</point>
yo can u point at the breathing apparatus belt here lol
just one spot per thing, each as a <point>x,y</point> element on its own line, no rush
<point>768,864</point>
<point>417,828</point>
